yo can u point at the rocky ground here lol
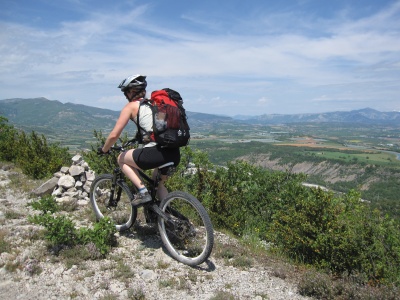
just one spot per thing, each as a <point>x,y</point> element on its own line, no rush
<point>138,268</point>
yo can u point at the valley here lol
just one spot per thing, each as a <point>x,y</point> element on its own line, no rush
<point>362,155</point>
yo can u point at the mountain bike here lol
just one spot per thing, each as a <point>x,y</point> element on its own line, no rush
<point>183,223</point>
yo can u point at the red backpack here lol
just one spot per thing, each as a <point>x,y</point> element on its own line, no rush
<point>170,126</point>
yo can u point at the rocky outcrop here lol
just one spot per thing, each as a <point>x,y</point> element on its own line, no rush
<point>70,183</point>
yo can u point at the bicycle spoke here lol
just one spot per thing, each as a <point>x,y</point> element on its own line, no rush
<point>115,205</point>
<point>187,233</point>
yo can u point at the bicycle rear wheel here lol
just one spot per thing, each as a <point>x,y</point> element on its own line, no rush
<point>188,234</point>
<point>116,205</point>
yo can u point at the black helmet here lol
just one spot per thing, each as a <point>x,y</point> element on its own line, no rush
<point>137,82</point>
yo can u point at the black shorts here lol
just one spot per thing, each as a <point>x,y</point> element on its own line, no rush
<point>153,157</point>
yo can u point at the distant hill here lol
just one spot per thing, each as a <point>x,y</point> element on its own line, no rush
<point>366,115</point>
<point>40,114</point>
<point>43,112</point>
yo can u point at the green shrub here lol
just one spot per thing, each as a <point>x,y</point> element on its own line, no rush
<point>31,153</point>
<point>102,235</point>
<point>60,230</point>
<point>341,234</point>
<point>8,137</point>
<point>37,158</point>
<point>46,204</point>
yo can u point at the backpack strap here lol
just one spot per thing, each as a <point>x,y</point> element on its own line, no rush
<point>139,136</point>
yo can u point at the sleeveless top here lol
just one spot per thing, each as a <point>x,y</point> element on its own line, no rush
<point>145,127</point>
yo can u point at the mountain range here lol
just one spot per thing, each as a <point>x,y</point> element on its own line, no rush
<point>366,115</point>
<point>41,112</point>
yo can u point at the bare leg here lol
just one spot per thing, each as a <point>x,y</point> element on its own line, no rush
<point>162,190</point>
<point>129,168</point>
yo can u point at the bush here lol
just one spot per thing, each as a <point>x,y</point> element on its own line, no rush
<point>38,159</point>
<point>102,235</point>
<point>46,204</point>
<point>32,153</point>
<point>61,232</point>
<point>341,234</point>
<point>8,137</point>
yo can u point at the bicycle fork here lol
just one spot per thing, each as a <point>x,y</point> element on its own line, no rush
<point>114,201</point>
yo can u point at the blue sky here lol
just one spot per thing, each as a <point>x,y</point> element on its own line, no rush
<point>225,57</point>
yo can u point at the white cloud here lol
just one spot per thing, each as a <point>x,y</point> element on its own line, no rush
<point>272,65</point>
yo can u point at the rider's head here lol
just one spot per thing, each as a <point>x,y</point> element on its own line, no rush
<point>134,87</point>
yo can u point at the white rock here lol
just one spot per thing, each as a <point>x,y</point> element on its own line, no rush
<point>148,275</point>
<point>71,194</point>
<point>58,174</point>
<point>64,170</point>
<point>90,176</point>
<point>76,170</point>
<point>78,184</point>
<point>86,186</point>
<point>57,192</point>
<point>66,181</point>
<point>63,199</point>
<point>82,202</point>
<point>77,159</point>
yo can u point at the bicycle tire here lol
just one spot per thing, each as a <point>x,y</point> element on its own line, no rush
<point>189,236</point>
<point>121,211</point>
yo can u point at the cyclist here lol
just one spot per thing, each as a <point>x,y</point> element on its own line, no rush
<point>149,155</point>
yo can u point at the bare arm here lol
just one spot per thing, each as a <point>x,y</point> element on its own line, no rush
<point>130,110</point>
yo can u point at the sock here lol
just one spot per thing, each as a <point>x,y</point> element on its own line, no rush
<point>143,190</point>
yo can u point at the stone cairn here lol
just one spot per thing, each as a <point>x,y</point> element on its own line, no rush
<point>70,183</point>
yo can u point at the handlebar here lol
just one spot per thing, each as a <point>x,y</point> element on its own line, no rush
<point>122,147</point>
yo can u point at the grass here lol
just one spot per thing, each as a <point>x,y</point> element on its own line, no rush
<point>12,214</point>
<point>123,271</point>
<point>236,256</point>
<point>222,295</point>
<point>162,265</point>
<point>321,286</point>
<point>21,182</point>
<point>136,294</point>
<point>5,246</point>
<point>169,282</point>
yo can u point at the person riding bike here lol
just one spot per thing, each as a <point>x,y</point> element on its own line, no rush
<point>148,156</point>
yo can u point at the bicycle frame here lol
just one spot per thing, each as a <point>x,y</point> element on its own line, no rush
<point>151,184</point>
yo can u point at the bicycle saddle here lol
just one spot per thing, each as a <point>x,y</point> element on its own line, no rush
<point>169,167</point>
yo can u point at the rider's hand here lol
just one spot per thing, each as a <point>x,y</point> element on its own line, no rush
<point>100,151</point>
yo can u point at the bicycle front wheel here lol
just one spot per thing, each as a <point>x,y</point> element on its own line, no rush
<point>187,234</point>
<point>113,203</point>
